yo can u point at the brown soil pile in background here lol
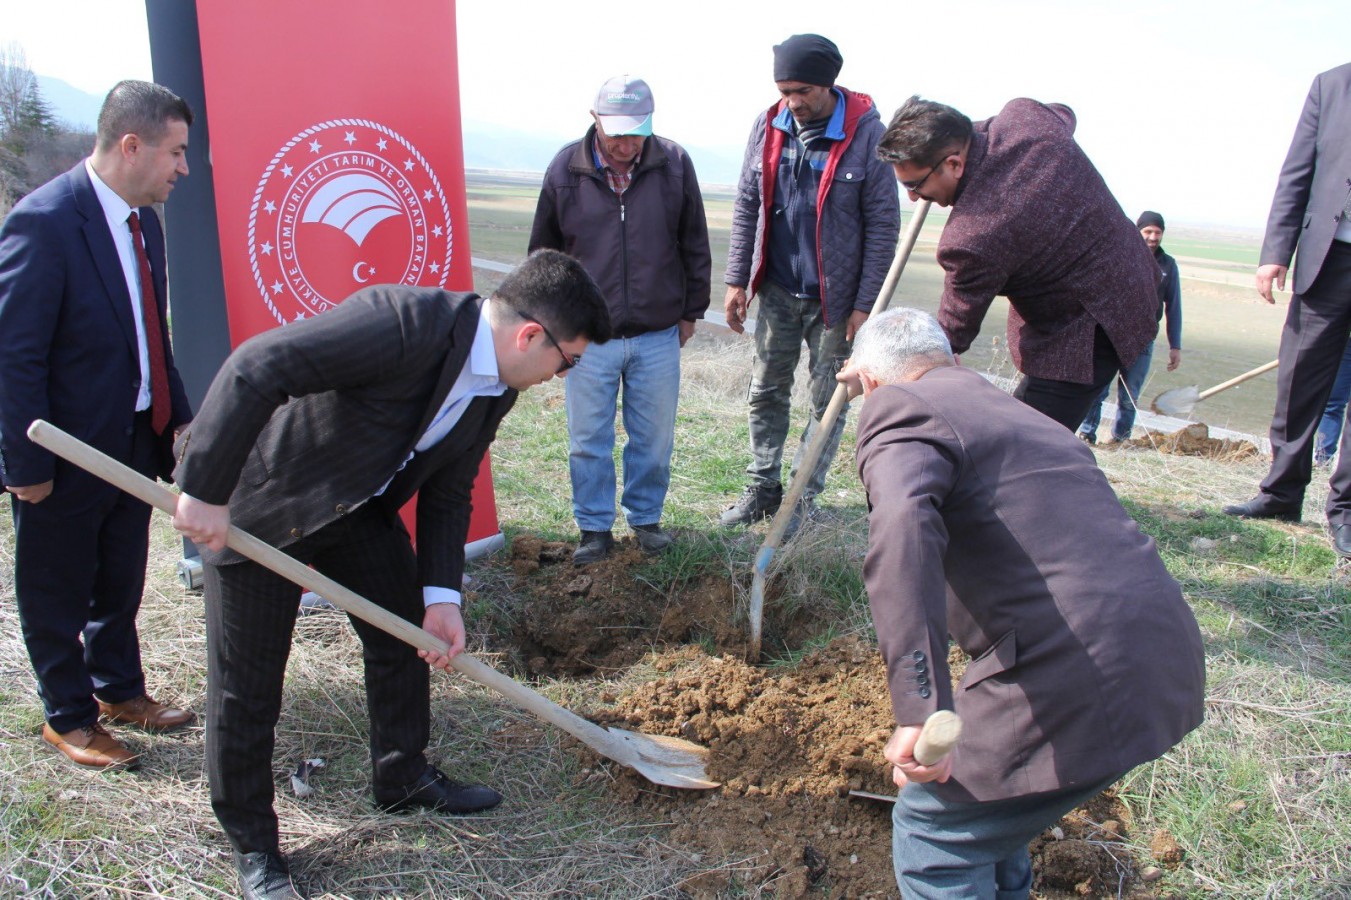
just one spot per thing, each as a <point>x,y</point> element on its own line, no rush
<point>1195,440</point>
<point>789,745</point>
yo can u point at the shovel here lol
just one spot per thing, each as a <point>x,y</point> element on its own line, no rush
<point>662,760</point>
<point>939,735</point>
<point>1179,402</point>
<point>838,401</point>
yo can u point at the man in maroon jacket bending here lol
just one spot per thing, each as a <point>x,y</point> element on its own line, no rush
<point>988,522</point>
<point>1032,220</point>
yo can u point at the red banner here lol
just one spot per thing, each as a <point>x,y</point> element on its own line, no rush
<point>337,159</point>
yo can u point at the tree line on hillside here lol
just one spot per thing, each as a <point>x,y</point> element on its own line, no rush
<point>35,146</point>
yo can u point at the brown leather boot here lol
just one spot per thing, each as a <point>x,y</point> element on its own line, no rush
<point>91,747</point>
<point>145,713</point>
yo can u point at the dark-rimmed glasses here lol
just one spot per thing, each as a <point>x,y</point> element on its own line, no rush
<point>568,361</point>
<point>914,186</point>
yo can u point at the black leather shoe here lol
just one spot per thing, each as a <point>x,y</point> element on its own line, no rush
<point>1263,507</point>
<point>1341,539</point>
<point>436,792</point>
<point>265,876</point>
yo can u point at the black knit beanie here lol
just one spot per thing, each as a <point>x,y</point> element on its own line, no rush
<point>808,58</point>
<point>1149,217</point>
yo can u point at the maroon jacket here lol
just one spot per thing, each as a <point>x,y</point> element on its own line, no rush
<point>992,523</point>
<point>1033,221</point>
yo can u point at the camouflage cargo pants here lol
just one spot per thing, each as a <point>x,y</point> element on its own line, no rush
<point>783,324</point>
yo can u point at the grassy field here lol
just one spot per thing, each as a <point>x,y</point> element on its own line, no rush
<point>1258,797</point>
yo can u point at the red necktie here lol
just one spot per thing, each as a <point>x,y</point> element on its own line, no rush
<point>154,335</point>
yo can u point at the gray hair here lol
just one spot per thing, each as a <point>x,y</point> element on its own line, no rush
<point>893,345</point>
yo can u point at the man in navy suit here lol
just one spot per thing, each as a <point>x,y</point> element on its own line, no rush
<point>84,344</point>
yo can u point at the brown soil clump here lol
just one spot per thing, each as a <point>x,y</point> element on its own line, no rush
<point>789,745</point>
<point>1195,440</point>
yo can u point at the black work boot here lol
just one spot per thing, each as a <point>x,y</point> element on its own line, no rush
<point>757,501</point>
<point>593,547</point>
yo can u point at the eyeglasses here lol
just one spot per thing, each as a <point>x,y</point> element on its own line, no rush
<point>913,186</point>
<point>568,361</point>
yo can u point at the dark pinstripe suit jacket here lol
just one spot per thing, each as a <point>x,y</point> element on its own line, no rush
<point>306,422</point>
<point>1315,180</point>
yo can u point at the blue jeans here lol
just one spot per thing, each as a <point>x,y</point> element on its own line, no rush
<point>647,367</point>
<point>1330,427</point>
<point>1127,393</point>
<point>944,850</point>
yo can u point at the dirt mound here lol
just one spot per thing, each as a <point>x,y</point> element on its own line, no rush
<point>1195,440</point>
<point>789,745</point>
<point>604,617</point>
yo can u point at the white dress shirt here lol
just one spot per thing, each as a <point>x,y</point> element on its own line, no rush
<point>117,212</point>
<point>478,378</point>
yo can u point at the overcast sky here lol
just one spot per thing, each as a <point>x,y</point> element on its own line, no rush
<point>1186,107</point>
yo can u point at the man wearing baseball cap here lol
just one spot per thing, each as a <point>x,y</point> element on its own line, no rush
<point>626,203</point>
<point>813,233</point>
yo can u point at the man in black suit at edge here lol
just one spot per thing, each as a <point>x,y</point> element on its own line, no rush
<point>1311,210</point>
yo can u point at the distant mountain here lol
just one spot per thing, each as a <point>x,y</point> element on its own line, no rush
<point>485,146</point>
<point>70,104</point>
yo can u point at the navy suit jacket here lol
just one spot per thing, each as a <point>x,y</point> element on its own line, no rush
<point>68,349</point>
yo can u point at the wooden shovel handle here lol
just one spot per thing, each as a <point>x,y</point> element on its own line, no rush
<point>938,737</point>
<point>97,463</point>
<point>1238,379</point>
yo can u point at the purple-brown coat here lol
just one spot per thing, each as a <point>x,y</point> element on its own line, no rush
<point>1033,220</point>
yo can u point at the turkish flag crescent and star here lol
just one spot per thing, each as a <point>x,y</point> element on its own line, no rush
<point>337,160</point>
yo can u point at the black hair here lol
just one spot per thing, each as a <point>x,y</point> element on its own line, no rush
<point>140,108</point>
<point>556,290</point>
<point>923,133</point>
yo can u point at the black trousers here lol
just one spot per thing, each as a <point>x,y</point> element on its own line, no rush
<point>79,571</point>
<point>250,616</point>
<point>1312,343</point>
<point>1067,401</point>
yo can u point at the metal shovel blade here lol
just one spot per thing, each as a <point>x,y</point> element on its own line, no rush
<point>671,761</point>
<point>662,760</point>
<point>1176,402</point>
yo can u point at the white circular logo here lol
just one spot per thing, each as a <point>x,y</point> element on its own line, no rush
<point>344,204</point>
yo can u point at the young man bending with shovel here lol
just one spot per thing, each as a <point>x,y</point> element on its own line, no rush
<point>987,522</point>
<point>312,437</point>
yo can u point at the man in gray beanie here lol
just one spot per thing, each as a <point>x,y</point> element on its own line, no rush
<point>813,232</point>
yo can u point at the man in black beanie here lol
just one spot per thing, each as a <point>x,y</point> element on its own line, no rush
<point>813,232</point>
<point>1132,378</point>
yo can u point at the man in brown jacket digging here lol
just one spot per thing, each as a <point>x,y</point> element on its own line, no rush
<point>987,522</point>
